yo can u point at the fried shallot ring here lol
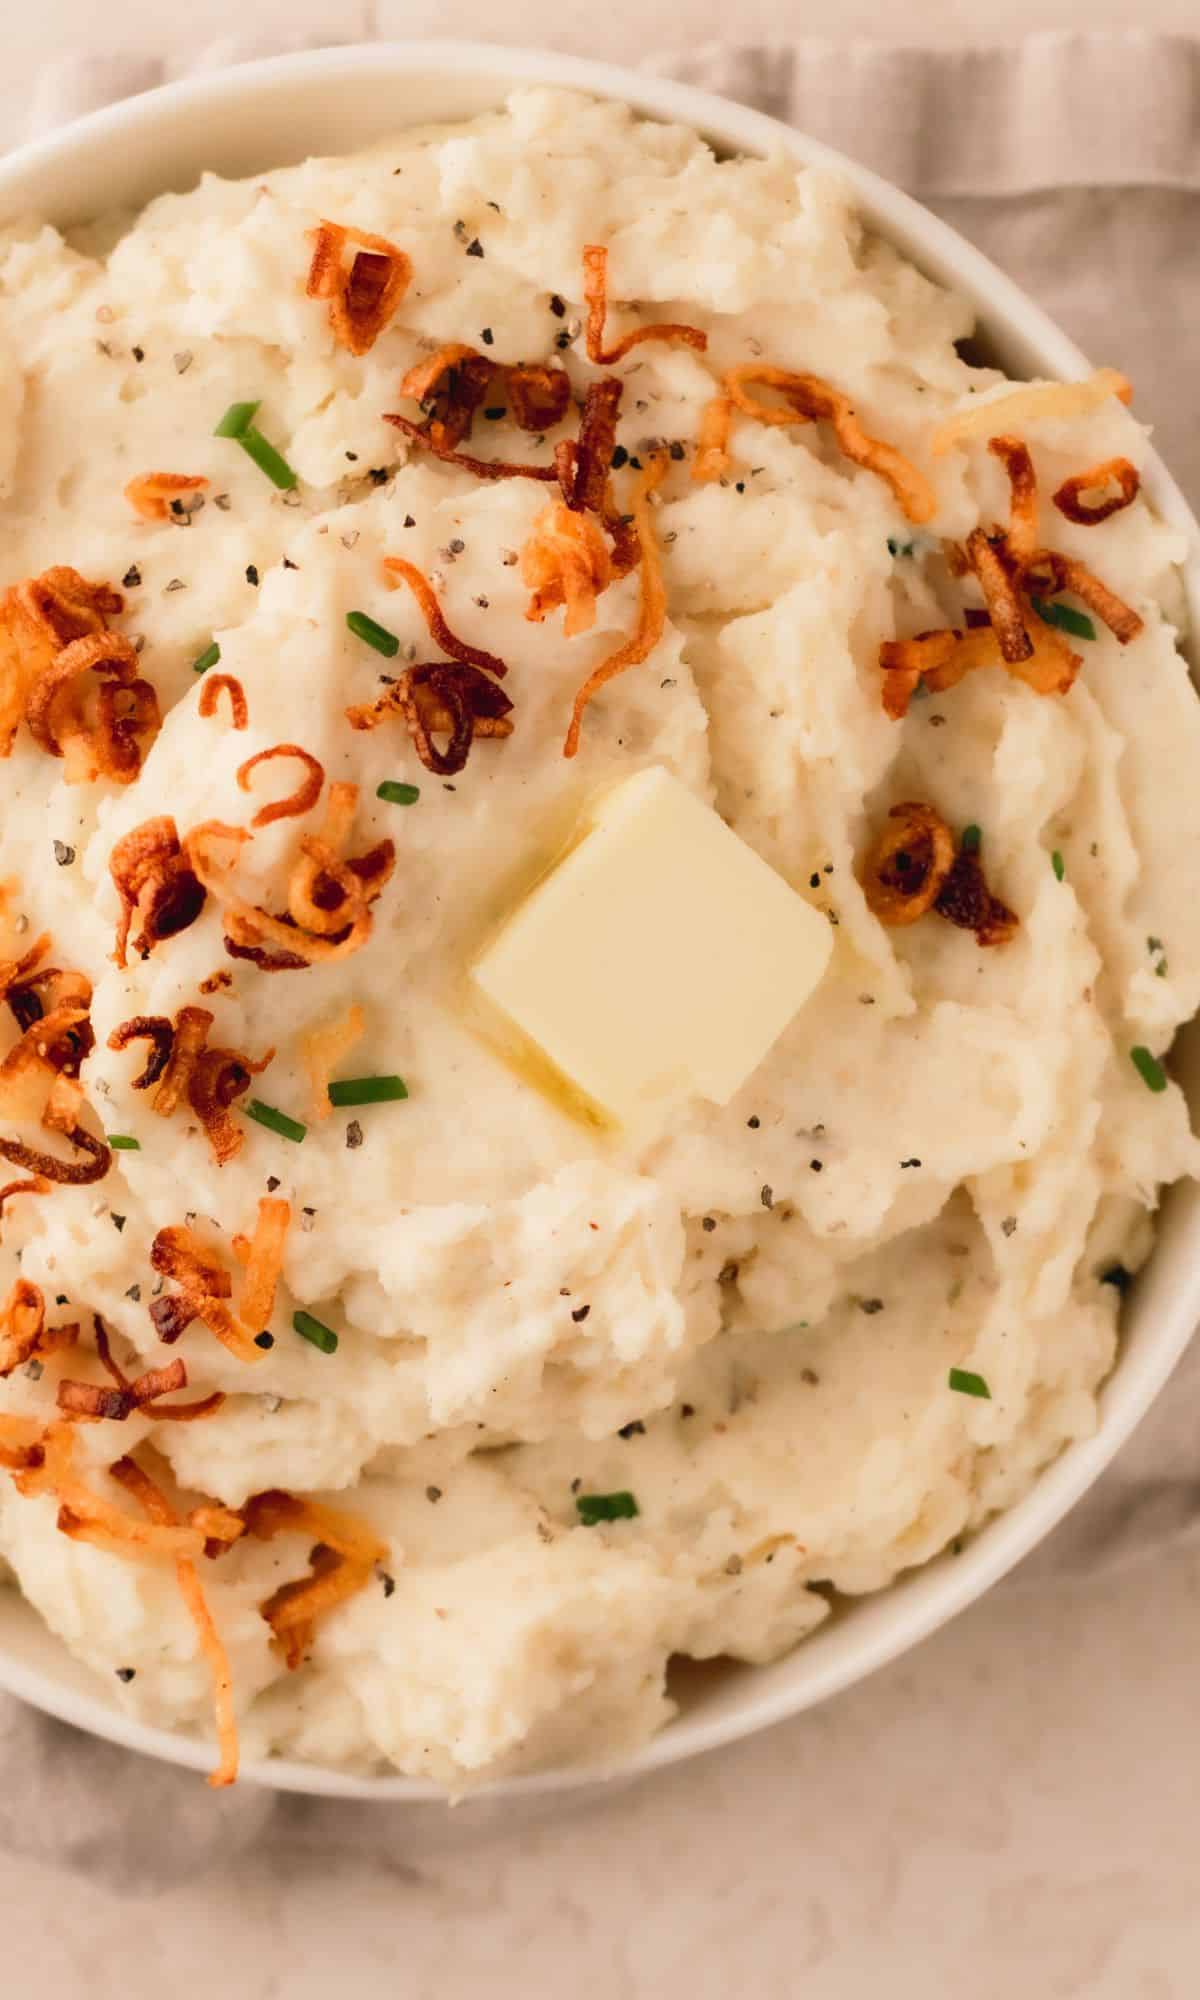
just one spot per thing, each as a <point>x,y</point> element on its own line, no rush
<point>812,400</point>
<point>215,685</point>
<point>1069,500</point>
<point>346,1552</point>
<point>154,1504</point>
<point>712,440</point>
<point>21,1443</point>
<point>213,849</point>
<point>181,1063</point>
<point>450,385</point>
<point>114,742</point>
<point>566,561</point>
<point>1002,597</point>
<point>151,494</point>
<point>322,1049</point>
<point>85,1516</point>
<point>64,1173</point>
<point>652,605</point>
<point>24,1334</point>
<point>595,294</point>
<point>396,569</point>
<point>538,396</point>
<point>1022,537</point>
<point>302,800</point>
<point>910,860</point>
<point>1047,573</point>
<point>584,464</point>
<point>38,617</point>
<point>364,295</point>
<point>1032,403</point>
<point>156,884</point>
<point>440,696</point>
<point>482,468</point>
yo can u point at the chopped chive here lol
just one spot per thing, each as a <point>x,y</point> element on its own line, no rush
<point>368,1090</point>
<point>237,420</point>
<point>268,460</point>
<point>275,1121</point>
<point>1148,1067</point>
<point>315,1332</point>
<point>969,1384</point>
<point>1077,623</point>
<point>238,423</point>
<point>122,1143</point>
<point>596,1507</point>
<point>1059,865</point>
<point>972,839</point>
<point>384,642</point>
<point>396,794</point>
<point>208,658</point>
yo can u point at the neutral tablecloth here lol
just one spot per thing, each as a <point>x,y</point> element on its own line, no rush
<point>1074,162</point>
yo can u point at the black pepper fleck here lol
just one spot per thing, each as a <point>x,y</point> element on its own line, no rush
<point>409,522</point>
<point>557,306</point>
<point>132,577</point>
<point>354,1135</point>
<point>636,1429</point>
<point>818,1166</point>
<point>1009,1225</point>
<point>388,1582</point>
<point>139,353</point>
<point>754,1122</point>
<point>580,1314</point>
<point>353,457</point>
<point>433,1494</point>
<point>118,1223</point>
<point>264,1340</point>
<point>487,336</point>
<point>252,573</point>
<point>273,1182</point>
<point>474,247</point>
<point>562,340</point>
<point>767,1195</point>
<point>909,1163</point>
<point>870,1305</point>
<point>709,1224</point>
<point>126,1674</point>
<point>677,451</point>
<point>63,854</point>
<point>620,457</point>
<point>379,475</point>
<point>687,1409</point>
<point>814,881</point>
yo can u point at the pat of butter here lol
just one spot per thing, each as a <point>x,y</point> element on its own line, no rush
<point>661,958</point>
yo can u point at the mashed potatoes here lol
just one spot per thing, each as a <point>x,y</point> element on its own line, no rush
<point>748,1321</point>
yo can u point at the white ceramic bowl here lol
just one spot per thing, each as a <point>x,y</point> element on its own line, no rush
<point>272,113</point>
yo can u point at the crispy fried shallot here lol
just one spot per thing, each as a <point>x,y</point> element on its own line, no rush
<point>1118,472</point>
<point>24,1334</point>
<point>1002,597</point>
<point>302,800</point>
<point>652,604</point>
<point>182,1066</point>
<point>811,400</point>
<point>322,1050</point>
<point>450,385</point>
<point>154,1380</point>
<point>397,571</point>
<point>712,440</point>
<point>11,1189</point>
<point>482,468</point>
<point>1022,537</point>
<point>345,1554</point>
<point>914,867</point>
<point>595,294</point>
<point>215,685</point>
<point>939,660</point>
<point>37,619</point>
<point>584,464</point>
<point>264,1263</point>
<point>1048,572</point>
<point>440,697</point>
<point>151,495</point>
<point>1037,402</point>
<point>65,1173</point>
<point>156,884</point>
<point>204,1288</point>
<point>905,869</point>
<point>364,293</point>
<point>566,561</point>
<point>322,885</point>
<point>107,736</point>
<point>155,1505</point>
<point>85,1516</point>
<point>538,396</point>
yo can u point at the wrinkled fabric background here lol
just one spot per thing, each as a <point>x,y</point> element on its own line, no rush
<point>1097,215</point>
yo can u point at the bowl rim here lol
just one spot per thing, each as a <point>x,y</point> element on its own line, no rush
<point>916,1605</point>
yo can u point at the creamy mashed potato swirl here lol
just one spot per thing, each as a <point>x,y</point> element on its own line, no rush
<point>748,1321</point>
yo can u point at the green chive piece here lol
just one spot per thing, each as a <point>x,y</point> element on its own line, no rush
<point>315,1332</point>
<point>1059,865</point>
<point>368,1090</point>
<point>238,423</point>
<point>275,1121</point>
<point>122,1143</point>
<point>237,420</point>
<point>972,839</point>
<point>268,460</point>
<point>397,794</point>
<point>596,1507</point>
<point>969,1384</point>
<point>208,658</point>
<point>384,642</point>
<point>1077,623</point>
<point>1148,1067</point>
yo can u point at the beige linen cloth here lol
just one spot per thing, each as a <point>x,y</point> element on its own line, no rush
<point>1074,162</point>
